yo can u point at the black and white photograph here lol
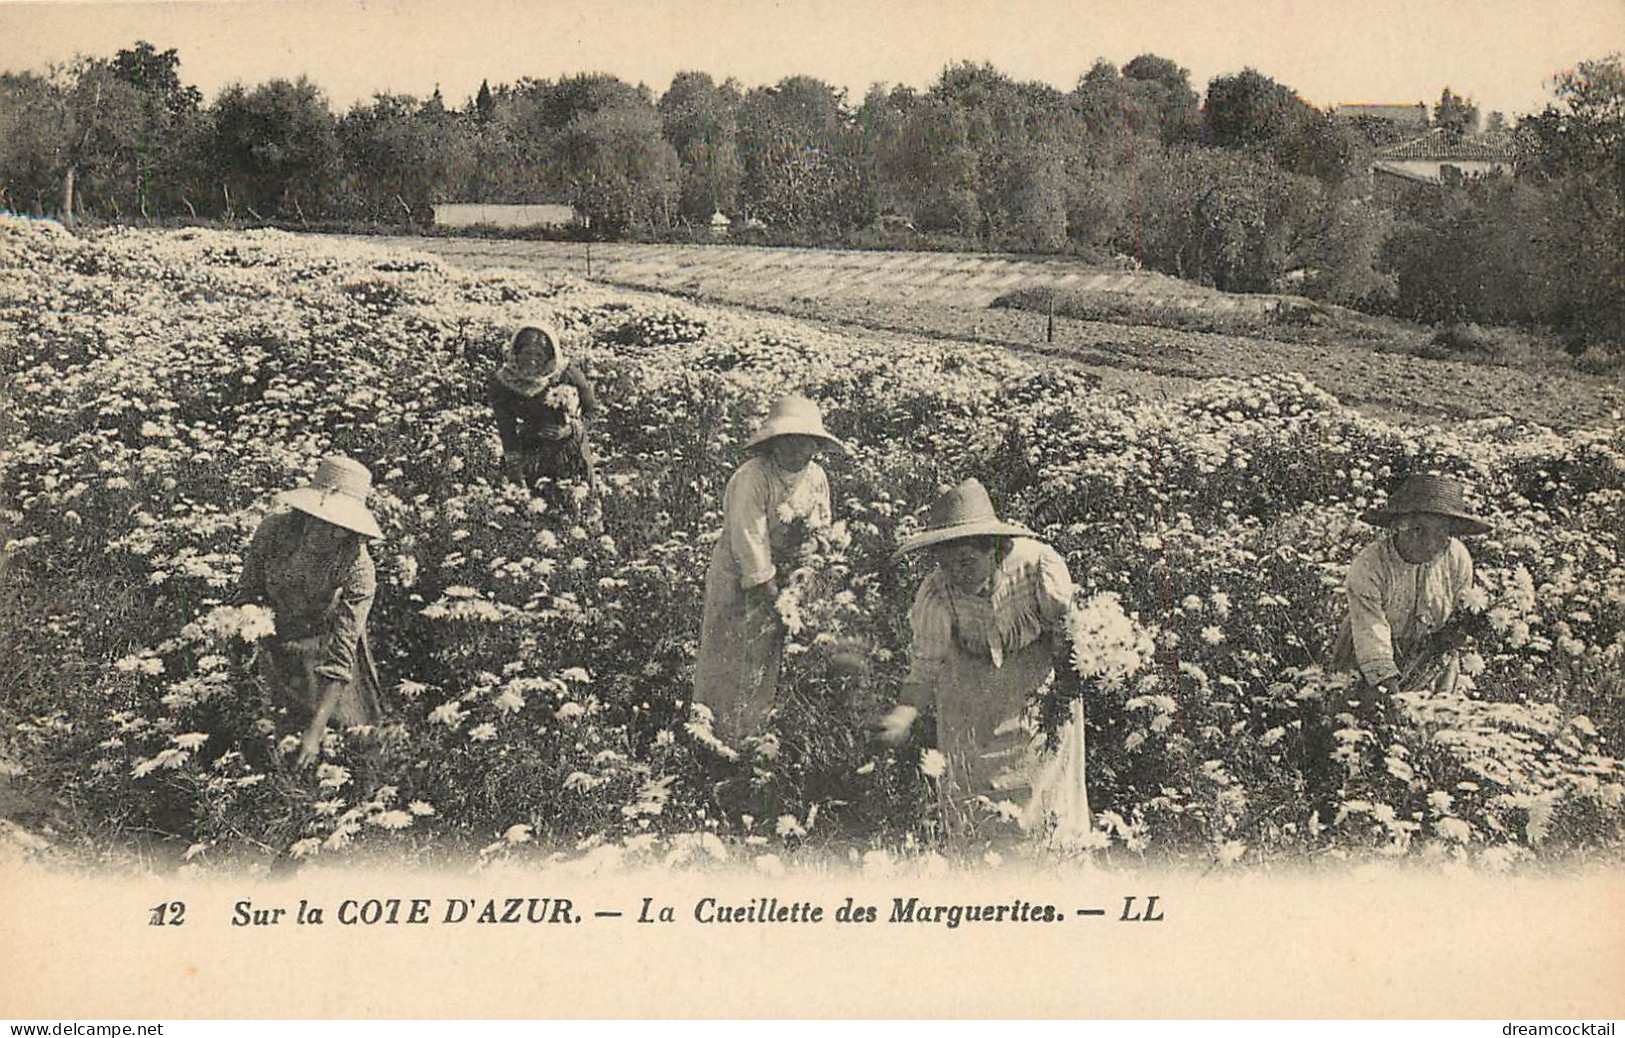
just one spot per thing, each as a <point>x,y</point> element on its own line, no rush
<point>741,500</point>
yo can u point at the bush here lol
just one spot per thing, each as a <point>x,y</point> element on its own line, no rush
<point>1599,359</point>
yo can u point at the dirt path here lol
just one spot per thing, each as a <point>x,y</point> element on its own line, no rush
<point>945,296</point>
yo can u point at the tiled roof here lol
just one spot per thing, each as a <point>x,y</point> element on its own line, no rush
<point>1436,146</point>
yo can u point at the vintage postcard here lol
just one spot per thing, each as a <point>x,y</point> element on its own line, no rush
<point>720,508</point>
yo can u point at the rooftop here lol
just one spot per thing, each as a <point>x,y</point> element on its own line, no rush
<point>1436,145</point>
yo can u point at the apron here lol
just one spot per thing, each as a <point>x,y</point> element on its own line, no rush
<point>987,732</point>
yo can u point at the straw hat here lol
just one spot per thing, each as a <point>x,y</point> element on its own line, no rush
<point>793,415</point>
<point>1437,494</point>
<point>338,494</point>
<point>964,511</point>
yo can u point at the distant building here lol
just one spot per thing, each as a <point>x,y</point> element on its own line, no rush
<point>512,217</point>
<point>1404,117</point>
<point>720,224</point>
<point>1434,158</point>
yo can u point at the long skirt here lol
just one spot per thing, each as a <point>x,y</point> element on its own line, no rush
<point>741,649</point>
<point>568,458</point>
<point>987,730</point>
<point>290,670</point>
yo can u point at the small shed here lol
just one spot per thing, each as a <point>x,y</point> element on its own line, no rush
<point>720,224</point>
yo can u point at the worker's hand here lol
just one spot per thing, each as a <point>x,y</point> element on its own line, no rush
<point>762,619</point>
<point>310,748</point>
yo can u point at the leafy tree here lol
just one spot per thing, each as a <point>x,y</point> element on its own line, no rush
<point>1036,202</point>
<point>1253,112</point>
<point>1455,115</point>
<point>803,162</point>
<point>1540,249</point>
<point>1583,132</point>
<point>276,146</point>
<point>1161,87</point>
<point>1250,110</point>
<point>1025,140</point>
<point>400,156</point>
<point>576,96</point>
<point>34,141</point>
<point>1324,148</point>
<point>1575,149</point>
<point>515,149</point>
<point>1476,253</point>
<point>166,119</point>
<point>1343,251</point>
<point>621,172</point>
<point>1223,218</point>
<point>700,120</point>
<point>99,124</point>
<point>923,161</point>
<point>521,146</point>
<point>880,121</point>
<point>156,74</point>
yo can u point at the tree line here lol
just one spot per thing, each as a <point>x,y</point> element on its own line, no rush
<point>1235,188</point>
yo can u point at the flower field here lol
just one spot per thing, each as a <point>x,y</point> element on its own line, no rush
<point>161,387</point>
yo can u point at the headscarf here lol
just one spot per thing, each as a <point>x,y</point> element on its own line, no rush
<point>525,385</point>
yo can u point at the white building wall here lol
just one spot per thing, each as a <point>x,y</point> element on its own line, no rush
<point>468,214</point>
<point>1430,168</point>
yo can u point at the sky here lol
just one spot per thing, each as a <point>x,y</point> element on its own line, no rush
<point>1499,53</point>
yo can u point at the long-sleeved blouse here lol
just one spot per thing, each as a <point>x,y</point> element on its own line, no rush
<point>321,607</point>
<point>1395,605</point>
<point>532,423</point>
<point>979,658</point>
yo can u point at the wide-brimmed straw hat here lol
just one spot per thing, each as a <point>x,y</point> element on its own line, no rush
<point>793,415</point>
<point>1439,495</point>
<point>964,511</point>
<point>338,494</point>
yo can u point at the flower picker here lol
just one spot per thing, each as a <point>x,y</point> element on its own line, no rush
<point>542,404</point>
<point>988,624</point>
<point>1403,591</point>
<point>311,566</point>
<point>771,499</point>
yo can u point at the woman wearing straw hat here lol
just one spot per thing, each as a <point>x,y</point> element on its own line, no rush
<point>311,566</point>
<point>1402,590</point>
<point>542,404</point>
<point>777,494</point>
<point>987,624</point>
